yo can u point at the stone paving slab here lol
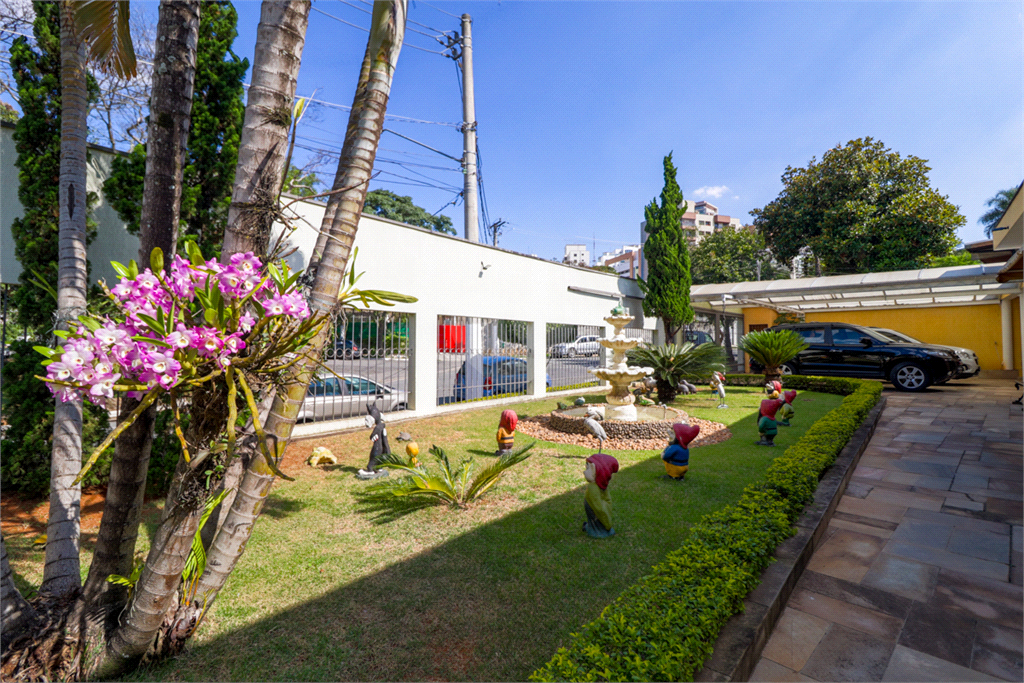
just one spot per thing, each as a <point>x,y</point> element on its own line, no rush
<point>920,576</point>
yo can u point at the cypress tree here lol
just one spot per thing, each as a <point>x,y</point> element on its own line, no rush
<point>667,287</point>
<point>217,114</point>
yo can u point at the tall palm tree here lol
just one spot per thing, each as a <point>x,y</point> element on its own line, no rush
<point>341,220</point>
<point>103,28</point>
<point>170,109</point>
<point>268,113</point>
<point>997,204</point>
<point>280,38</point>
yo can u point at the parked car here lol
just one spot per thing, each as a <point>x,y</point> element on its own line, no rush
<point>696,337</point>
<point>332,397</point>
<point>589,345</point>
<point>969,366</point>
<point>501,375</point>
<point>844,350</point>
<point>346,348</point>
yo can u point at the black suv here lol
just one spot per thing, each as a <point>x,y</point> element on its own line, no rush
<point>843,350</point>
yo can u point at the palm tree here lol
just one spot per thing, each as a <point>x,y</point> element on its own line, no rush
<point>674,363</point>
<point>772,349</point>
<point>340,222</point>
<point>103,28</point>
<point>997,204</point>
<point>170,109</point>
<point>268,113</point>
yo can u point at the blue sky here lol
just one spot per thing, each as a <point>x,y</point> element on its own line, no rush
<point>577,102</point>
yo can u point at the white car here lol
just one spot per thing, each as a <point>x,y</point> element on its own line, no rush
<point>583,346</point>
<point>968,359</point>
<point>331,398</point>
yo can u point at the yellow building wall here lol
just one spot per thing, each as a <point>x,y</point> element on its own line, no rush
<point>757,316</point>
<point>1015,307</point>
<point>978,328</point>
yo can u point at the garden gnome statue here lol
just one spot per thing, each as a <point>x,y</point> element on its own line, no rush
<point>378,444</point>
<point>767,427</point>
<point>718,386</point>
<point>773,389</point>
<point>412,449</point>
<point>786,411</point>
<point>677,455</point>
<point>506,435</point>
<point>596,503</point>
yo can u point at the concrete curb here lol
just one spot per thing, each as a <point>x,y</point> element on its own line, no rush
<point>741,641</point>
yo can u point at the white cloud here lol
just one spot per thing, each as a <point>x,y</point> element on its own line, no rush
<point>713,192</point>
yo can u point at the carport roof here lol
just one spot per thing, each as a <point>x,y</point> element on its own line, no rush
<point>956,285</point>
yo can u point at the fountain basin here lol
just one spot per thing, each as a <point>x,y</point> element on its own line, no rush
<point>652,422</point>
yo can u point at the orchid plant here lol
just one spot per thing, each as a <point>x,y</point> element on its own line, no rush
<point>197,327</point>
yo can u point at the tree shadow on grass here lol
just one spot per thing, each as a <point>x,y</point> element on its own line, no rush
<point>278,507</point>
<point>493,603</point>
<point>481,451</point>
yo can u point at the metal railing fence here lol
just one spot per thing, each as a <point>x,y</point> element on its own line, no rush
<point>481,358</point>
<point>571,351</point>
<point>369,352</point>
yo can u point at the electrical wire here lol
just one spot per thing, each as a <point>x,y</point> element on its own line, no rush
<point>438,9</point>
<point>408,21</point>
<point>349,23</point>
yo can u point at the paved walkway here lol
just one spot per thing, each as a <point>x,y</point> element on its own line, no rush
<point>919,576</point>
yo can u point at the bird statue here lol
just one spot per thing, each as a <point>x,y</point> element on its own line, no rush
<point>595,428</point>
<point>683,388</point>
<point>644,401</point>
<point>404,436</point>
<point>39,542</point>
<point>562,405</point>
<point>595,413</point>
<point>580,401</point>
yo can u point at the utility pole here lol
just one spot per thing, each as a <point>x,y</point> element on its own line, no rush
<point>472,231</point>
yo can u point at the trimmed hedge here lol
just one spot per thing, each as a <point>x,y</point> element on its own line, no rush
<point>664,627</point>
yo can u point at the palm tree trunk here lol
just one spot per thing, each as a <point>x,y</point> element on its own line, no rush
<point>61,572</point>
<point>15,613</point>
<point>280,38</point>
<point>341,221</point>
<point>170,111</point>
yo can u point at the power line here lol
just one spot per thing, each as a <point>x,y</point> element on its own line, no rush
<point>349,23</point>
<point>408,21</point>
<point>438,9</point>
<point>417,142</point>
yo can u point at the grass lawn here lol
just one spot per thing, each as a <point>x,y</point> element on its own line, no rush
<point>331,590</point>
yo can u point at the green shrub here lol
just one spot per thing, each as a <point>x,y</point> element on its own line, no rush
<point>664,627</point>
<point>672,363</point>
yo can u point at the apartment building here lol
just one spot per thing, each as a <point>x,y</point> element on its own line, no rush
<point>577,255</point>
<point>699,220</point>
<point>625,260</point>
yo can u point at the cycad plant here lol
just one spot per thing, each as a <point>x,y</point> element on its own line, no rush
<point>772,348</point>
<point>451,486</point>
<point>673,363</point>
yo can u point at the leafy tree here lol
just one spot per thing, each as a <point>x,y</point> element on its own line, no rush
<point>387,204</point>
<point>997,206</point>
<point>957,258</point>
<point>667,287</point>
<point>8,114</point>
<point>217,112</point>
<point>772,349</point>
<point>862,208</point>
<point>731,255</point>
<point>300,184</point>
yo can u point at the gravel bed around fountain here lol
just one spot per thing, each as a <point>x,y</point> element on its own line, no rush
<point>635,436</point>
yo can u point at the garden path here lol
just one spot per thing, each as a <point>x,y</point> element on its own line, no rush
<point>919,576</point>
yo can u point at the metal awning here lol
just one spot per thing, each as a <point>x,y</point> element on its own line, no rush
<point>958,285</point>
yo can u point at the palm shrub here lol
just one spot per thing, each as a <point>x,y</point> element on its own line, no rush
<point>772,348</point>
<point>673,363</point>
<point>450,486</point>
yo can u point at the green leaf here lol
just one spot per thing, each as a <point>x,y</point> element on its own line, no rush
<point>133,269</point>
<point>45,350</point>
<point>156,259</point>
<point>195,255</point>
<point>150,340</point>
<point>153,324</point>
<point>91,323</point>
<point>119,268</point>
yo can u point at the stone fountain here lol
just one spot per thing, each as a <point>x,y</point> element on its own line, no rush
<point>618,374</point>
